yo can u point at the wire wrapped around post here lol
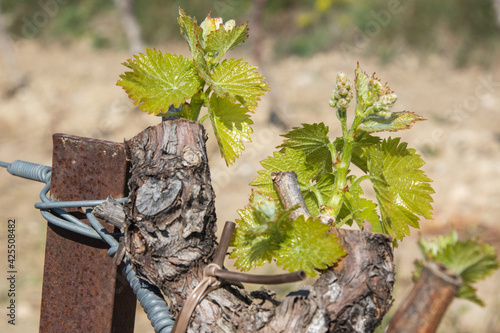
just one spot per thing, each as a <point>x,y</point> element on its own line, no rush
<point>149,296</point>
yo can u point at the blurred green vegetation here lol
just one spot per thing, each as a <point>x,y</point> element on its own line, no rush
<point>466,31</point>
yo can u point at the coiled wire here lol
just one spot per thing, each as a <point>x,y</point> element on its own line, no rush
<point>149,296</point>
<point>40,173</point>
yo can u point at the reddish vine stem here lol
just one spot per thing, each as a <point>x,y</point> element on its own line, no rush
<point>422,310</point>
<point>209,283</point>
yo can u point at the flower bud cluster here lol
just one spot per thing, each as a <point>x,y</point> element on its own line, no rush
<point>384,104</point>
<point>342,94</point>
<point>381,99</point>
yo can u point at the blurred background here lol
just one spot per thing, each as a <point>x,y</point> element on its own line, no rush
<point>60,60</point>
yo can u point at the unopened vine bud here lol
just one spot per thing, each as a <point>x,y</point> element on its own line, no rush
<point>384,104</point>
<point>389,99</point>
<point>342,104</point>
<point>342,94</point>
<point>229,25</point>
<point>349,96</point>
<point>341,78</point>
<point>377,87</point>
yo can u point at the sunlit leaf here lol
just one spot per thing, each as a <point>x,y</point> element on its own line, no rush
<point>403,191</point>
<point>313,140</point>
<point>309,246</point>
<point>472,260</point>
<point>238,81</point>
<point>294,160</point>
<point>219,41</point>
<point>159,80</point>
<point>231,124</point>
<point>261,230</point>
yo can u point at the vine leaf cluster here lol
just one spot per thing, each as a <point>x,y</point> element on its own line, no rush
<point>170,85</point>
<point>471,259</point>
<point>229,88</point>
<point>323,168</point>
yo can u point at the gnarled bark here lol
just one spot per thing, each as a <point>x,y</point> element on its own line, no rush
<point>170,239</point>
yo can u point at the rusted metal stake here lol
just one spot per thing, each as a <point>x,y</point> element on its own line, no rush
<point>82,290</point>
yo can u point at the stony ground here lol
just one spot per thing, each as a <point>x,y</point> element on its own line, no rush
<point>71,89</point>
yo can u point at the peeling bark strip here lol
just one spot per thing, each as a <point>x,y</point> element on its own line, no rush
<point>170,238</point>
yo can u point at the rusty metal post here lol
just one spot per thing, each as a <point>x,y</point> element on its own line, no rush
<point>82,290</point>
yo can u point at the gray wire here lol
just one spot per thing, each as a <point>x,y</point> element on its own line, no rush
<point>72,204</point>
<point>151,301</point>
<point>149,296</point>
<point>105,235</point>
<point>40,173</point>
<point>71,223</point>
<point>64,225</point>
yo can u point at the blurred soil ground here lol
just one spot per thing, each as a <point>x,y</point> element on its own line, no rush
<point>71,89</point>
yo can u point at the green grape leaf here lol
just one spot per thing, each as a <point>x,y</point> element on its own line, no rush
<point>361,84</point>
<point>238,81</point>
<point>159,80</point>
<point>192,33</point>
<point>309,246</point>
<point>190,30</point>
<point>394,122</point>
<point>219,41</point>
<point>403,191</point>
<point>261,230</point>
<point>359,154</point>
<point>472,260</point>
<point>430,248</point>
<point>313,141</point>
<point>293,160</point>
<point>468,292</point>
<point>323,191</point>
<point>362,209</point>
<point>231,124</point>
<point>286,160</point>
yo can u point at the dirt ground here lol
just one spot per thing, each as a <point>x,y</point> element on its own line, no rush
<point>71,89</point>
